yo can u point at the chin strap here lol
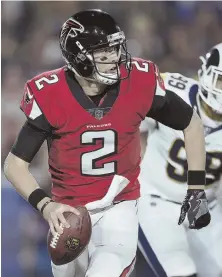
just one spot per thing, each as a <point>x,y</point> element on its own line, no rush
<point>103,80</point>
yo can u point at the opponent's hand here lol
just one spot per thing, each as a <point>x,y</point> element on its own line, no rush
<point>53,213</point>
<point>196,208</point>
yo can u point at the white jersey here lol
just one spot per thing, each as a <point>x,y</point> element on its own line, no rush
<point>164,166</point>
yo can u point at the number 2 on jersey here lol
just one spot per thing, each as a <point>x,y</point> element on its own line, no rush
<point>40,82</point>
<point>143,66</point>
<point>213,164</point>
<point>89,160</point>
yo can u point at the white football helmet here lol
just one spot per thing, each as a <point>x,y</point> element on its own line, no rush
<point>210,78</point>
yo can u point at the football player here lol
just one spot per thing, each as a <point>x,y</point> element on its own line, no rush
<point>90,111</point>
<point>181,251</point>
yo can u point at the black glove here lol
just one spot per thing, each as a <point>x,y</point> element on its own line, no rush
<point>196,208</point>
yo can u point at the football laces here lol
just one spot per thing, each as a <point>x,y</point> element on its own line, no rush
<point>56,237</point>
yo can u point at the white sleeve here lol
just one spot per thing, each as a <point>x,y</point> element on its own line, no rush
<point>148,125</point>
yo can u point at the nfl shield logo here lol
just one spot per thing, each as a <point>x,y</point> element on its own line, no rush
<point>72,243</point>
<point>98,114</point>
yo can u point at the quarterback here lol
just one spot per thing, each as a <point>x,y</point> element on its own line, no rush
<point>181,251</point>
<point>89,111</point>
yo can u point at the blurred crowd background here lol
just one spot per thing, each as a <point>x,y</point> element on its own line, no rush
<point>172,34</point>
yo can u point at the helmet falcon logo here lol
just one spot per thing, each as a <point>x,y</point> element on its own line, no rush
<point>71,28</point>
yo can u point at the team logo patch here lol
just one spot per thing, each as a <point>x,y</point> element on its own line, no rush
<point>28,96</point>
<point>72,243</point>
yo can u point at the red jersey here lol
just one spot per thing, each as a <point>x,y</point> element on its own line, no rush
<point>91,144</point>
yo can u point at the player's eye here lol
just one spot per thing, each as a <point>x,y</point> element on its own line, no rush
<point>104,58</point>
<point>109,49</point>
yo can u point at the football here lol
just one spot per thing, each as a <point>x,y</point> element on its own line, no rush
<point>72,242</point>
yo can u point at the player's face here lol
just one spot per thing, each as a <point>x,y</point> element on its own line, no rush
<point>213,105</point>
<point>218,87</point>
<point>107,59</point>
<point>211,113</point>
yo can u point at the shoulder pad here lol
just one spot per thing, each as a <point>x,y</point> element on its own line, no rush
<point>45,80</point>
<point>32,98</point>
<point>28,104</point>
<point>147,66</point>
<point>141,64</point>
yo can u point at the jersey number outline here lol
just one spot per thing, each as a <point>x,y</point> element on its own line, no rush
<point>40,82</point>
<point>213,164</point>
<point>143,66</point>
<point>109,148</point>
<point>177,82</point>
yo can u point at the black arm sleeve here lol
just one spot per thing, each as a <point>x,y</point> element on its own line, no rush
<point>171,110</point>
<point>29,141</point>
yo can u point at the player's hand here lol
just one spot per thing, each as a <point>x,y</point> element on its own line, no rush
<point>53,213</point>
<point>196,208</point>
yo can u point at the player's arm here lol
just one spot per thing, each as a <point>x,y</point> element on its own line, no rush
<point>16,167</point>
<point>174,112</point>
<point>171,110</point>
<point>16,170</point>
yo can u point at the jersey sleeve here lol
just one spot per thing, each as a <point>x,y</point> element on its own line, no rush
<point>160,85</point>
<point>171,110</point>
<point>28,142</point>
<point>32,111</point>
<point>28,104</point>
<point>160,97</point>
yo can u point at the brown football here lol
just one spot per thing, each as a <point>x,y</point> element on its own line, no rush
<point>72,242</point>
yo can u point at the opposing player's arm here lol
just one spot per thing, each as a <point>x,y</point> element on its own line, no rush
<point>175,113</point>
<point>172,111</point>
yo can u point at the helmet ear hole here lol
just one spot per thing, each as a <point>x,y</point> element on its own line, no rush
<point>85,69</point>
<point>214,58</point>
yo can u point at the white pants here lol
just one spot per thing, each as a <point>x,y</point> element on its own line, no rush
<point>182,251</point>
<point>112,248</point>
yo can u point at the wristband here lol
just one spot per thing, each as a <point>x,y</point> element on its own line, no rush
<point>46,203</point>
<point>196,178</point>
<point>36,196</point>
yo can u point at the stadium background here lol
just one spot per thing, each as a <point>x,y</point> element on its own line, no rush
<point>172,34</point>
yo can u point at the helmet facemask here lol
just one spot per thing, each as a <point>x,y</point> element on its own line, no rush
<point>107,64</point>
<point>210,78</point>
